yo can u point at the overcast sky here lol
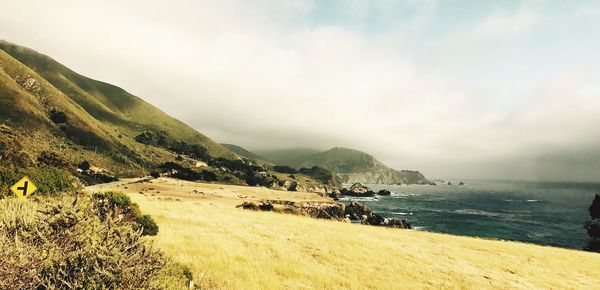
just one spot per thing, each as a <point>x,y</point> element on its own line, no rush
<point>470,89</point>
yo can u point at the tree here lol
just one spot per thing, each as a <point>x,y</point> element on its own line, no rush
<point>57,116</point>
<point>84,165</point>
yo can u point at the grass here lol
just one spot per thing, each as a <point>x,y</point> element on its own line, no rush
<point>102,119</point>
<point>62,243</point>
<point>228,248</point>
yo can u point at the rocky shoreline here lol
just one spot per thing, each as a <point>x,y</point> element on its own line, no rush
<point>348,212</point>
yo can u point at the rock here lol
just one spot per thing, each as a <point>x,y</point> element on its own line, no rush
<point>593,228</point>
<point>384,192</point>
<point>323,210</point>
<point>355,210</point>
<point>377,220</point>
<point>358,189</point>
<point>373,219</point>
<point>248,205</point>
<point>595,207</point>
<point>264,206</point>
<point>293,186</point>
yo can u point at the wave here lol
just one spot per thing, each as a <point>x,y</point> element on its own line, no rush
<point>354,198</point>
<point>468,211</point>
<point>520,200</point>
<point>402,213</point>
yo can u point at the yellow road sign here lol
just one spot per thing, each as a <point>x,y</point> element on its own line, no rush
<point>24,187</point>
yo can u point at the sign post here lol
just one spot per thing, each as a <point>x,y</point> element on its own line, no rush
<point>23,188</point>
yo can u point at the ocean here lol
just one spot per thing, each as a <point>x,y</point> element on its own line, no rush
<point>533,212</point>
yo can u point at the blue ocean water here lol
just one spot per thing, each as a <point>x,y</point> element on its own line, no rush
<point>540,213</point>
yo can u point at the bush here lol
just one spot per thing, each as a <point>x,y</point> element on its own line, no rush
<point>115,203</point>
<point>58,117</point>
<point>149,226</point>
<point>62,244</point>
<point>284,169</point>
<point>154,174</point>
<point>84,165</point>
<point>49,180</point>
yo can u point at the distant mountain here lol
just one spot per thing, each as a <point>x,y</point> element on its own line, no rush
<point>46,107</point>
<point>350,165</point>
<point>242,152</point>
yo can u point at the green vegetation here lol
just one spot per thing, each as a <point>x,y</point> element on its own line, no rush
<point>49,180</point>
<point>242,152</point>
<point>46,107</point>
<point>349,165</point>
<point>58,117</point>
<point>291,157</point>
<point>62,243</point>
<point>84,165</point>
<point>336,159</point>
<point>149,226</point>
<point>163,140</point>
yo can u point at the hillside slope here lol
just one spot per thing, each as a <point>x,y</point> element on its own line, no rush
<point>241,151</point>
<point>101,120</point>
<point>351,165</point>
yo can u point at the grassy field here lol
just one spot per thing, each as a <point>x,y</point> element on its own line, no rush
<point>229,248</point>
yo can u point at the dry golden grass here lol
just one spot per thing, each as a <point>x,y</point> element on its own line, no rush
<point>228,248</point>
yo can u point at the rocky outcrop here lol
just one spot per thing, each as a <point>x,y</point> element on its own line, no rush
<point>384,176</point>
<point>593,225</point>
<point>384,192</point>
<point>377,220</point>
<point>594,208</point>
<point>328,210</point>
<point>264,206</point>
<point>357,211</point>
<point>357,189</point>
<point>323,210</point>
<point>360,190</point>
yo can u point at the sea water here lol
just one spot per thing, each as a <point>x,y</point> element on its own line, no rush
<point>540,213</point>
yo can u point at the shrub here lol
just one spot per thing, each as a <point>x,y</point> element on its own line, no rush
<point>284,169</point>
<point>62,244</point>
<point>84,165</point>
<point>155,174</point>
<point>115,203</point>
<point>318,173</point>
<point>49,180</point>
<point>149,226</point>
<point>58,117</point>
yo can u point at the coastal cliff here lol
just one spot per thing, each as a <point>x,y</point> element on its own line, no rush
<point>384,176</point>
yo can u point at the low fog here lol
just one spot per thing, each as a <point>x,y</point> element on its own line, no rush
<point>455,90</point>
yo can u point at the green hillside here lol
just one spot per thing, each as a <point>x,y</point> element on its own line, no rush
<point>44,106</point>
<point>349,164</point>
<point>241,151</point>
<point>343,160</point>
<point>290,157</point>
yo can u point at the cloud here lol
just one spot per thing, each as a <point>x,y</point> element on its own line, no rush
<point>387,77</point>
<point>504,22</point>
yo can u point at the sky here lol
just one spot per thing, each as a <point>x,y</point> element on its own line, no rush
<point>455,89</point>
